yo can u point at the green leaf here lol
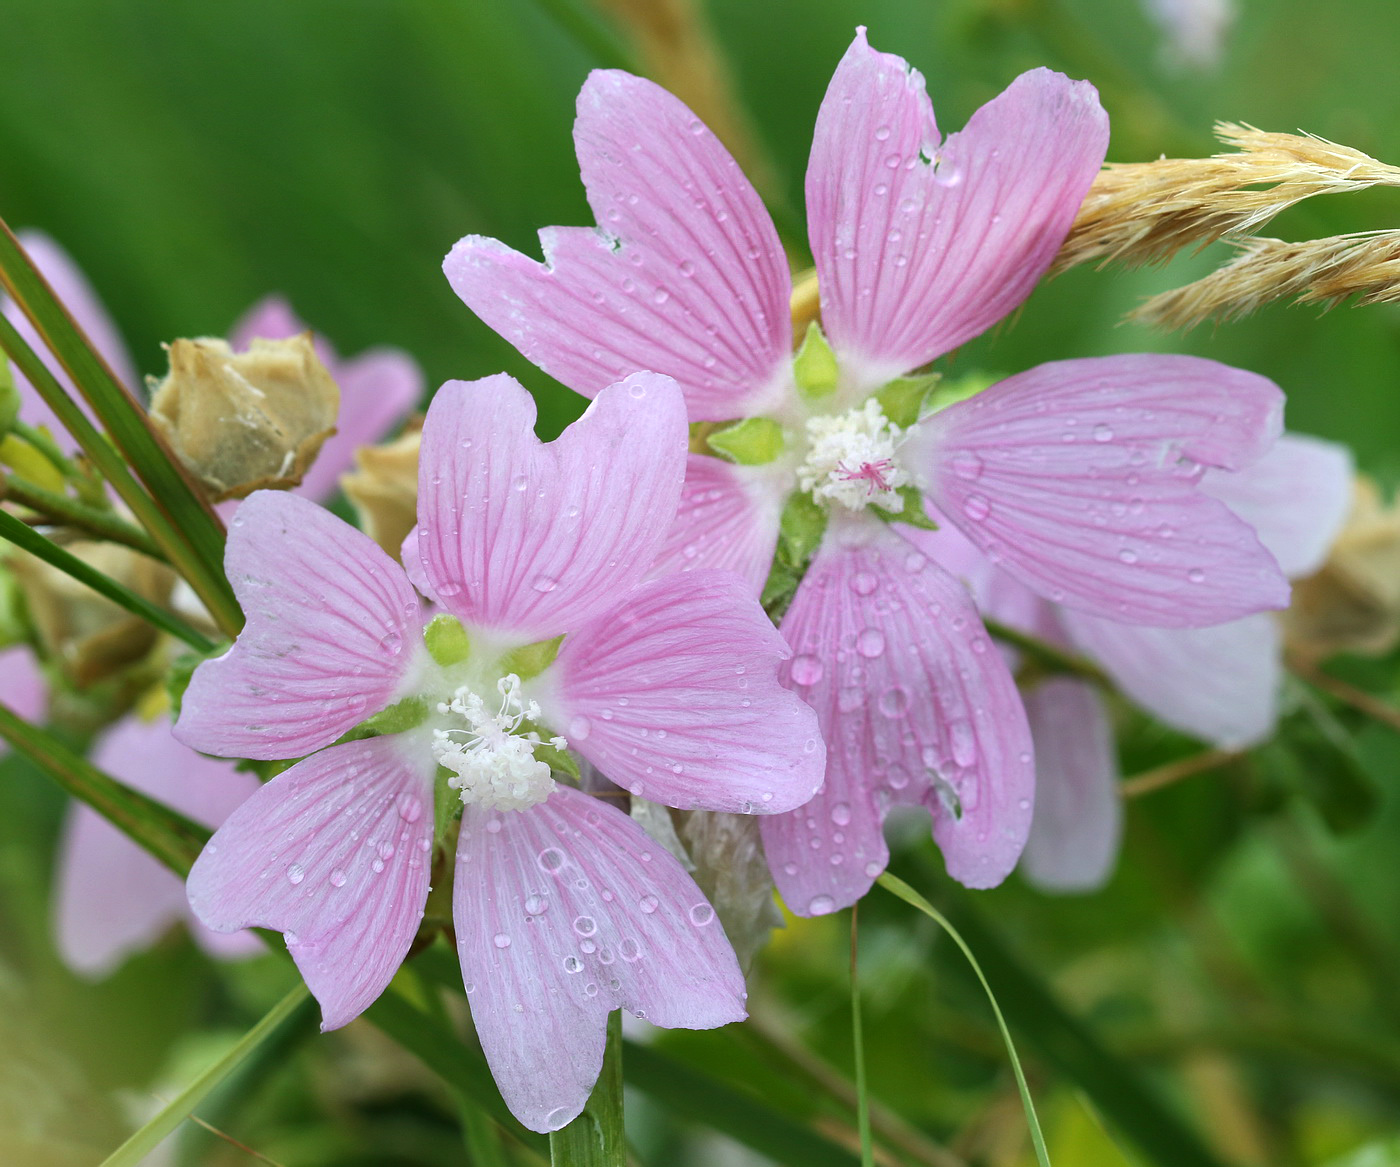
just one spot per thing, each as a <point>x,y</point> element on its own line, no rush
<point>687,1093</point>
<point>950,392</point>
<point>136,1148</point>
<point>170,837</point>
<point>755,441</point>
<point>447,641</point>
<point>9,397</point>
<point>203,574</point>
<point>897,886</point>
<point>814,367</point>
<point>905,399</point>
<point>1115,1087</point>
<point>596,1138</point>
<point>28,539</point>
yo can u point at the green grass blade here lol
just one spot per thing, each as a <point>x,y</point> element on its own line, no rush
<point>595,1138</point>
<point>897,886</point>
<point>170,837</point>
<point>690,1094</point>
<point>27,539</point>
<point>174,512</point>
<point>867,1146</point>
<point>136,1148</point>
<point>1117,1090</point>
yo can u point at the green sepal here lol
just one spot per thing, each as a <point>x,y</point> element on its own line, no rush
<point>904,400</point>
<point>182,668</point>
<point>447,805</point>
<point>950,392</point>
<point>560,761</point>
<point>29,462</point>
<point>532,659</point>
<point>800,532</point>
<point>814,367</point>
<point>14,626</point>
<point>9,397</point>
<point>266,771</point>
<point>913,512</point>
<point>755,441</point>
<point>447,641</point>
<point>399,717</point>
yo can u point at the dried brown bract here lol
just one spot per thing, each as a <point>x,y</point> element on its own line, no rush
<point>1315,271</point>
<point>1140,212</point>
<point>383,489</point>
<point>244,421</point>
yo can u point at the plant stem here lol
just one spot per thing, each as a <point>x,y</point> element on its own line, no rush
<point>1173,772</point>
<point>1042,652</point>
<point>1358,699</point>
<point>867,1148</point>
<point>59,507</point>
<point>595,1138</point>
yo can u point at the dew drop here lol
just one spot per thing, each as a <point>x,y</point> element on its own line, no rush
<point>585,925</point>
<point>894,701</point>
<point>296,873</point>
<point>551,859</point>
<point>701,914</point>
<point>629,950</point>
<point>501,940</point>
<point>807,669</point>
<point>820,905</point>
<point>1127,555</point>
<point>1103,433</point>
<point>536,905</point>
<point>967,466</point>
<point>572,964</point>
<point>841,814</point>
<point>649,904</point>
<point>976,507</point>
<point>870,643</point>
<point>579,728</point>
<point>544,583</point>
<point>410,807</point>
<point>338,878</point>
<point>863,583</point>
<point>1196,575</point>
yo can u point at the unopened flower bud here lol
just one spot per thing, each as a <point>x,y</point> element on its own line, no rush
<point>383,489</point>
<point>1353,603</point>
<point>245,421</point>
<point>729,866</point>
<point>90,637</point>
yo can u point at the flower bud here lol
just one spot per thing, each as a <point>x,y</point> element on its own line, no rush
<point>246,421</point>
<point>90,637</point>
<point>1353,603</point>
<point>383,489</point>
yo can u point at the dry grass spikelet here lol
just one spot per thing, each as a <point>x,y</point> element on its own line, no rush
<point>1316,271</point>
<point>1140,212</point>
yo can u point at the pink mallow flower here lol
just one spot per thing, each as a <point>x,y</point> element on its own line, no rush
<point>1220,684</point>
<point>1080,478</point>
<point>114,899</point>
<point>564,909</point>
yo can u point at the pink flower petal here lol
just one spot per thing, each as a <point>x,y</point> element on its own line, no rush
<point>684,274</point>
<point>114,899</point>
<point>332,635</point>
<point>919,245</point>
<point>1220,684</point>
<point>377,390</point>
<point>23,688</point>
<point>674,695</point>
<point>72,288</point>
<point>532,539</point>
<point>335,853</point>
<point>1296,497</point>
<point>1078,813</point>
<point>727,519</point>
<point>1080,478</point>
<point>917,708</point>
<point>565,912</point>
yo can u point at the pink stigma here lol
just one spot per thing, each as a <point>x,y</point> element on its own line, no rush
<point>871,473</point>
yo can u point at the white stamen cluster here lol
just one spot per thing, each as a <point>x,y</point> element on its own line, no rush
<point>495,766</point>
<point>851,460</point>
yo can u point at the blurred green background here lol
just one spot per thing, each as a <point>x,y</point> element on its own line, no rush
<point>1246,959</point>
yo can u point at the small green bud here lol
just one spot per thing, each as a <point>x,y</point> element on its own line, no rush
<point>30,463</point>
<point>446,640</point>
<point>814,366</point>
<point>755,441</point>
<point>904,399</point>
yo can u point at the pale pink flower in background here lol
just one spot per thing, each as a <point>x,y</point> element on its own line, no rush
<point>1193,31</point>
<point>1220,684</point>
<point>564,908</point>
<point>1080,477</point>
<point>114,899</point>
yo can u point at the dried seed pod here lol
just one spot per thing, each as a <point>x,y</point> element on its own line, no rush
<point>383,489</point>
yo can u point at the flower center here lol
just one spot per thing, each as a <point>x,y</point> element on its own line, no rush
<point>493,764</point>
<point>851,460</point>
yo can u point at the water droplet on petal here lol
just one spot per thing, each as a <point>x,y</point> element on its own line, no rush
<point>1196,575</point>
<point>807,669</point>
<point>551,859</point>
<point>701,914</point>
<point>863,583</point>
<point>501,940</point>
<point>296,873</point>
<point>410,807</point>
<point>572,964</point>
<point>820,905</point>
<point>841,813</point>
<point>338,878</point>
<point>544,583</point>
<point>1103,433</point>
<point>870,643</point>
<point>967,465</point>
<point>649,904</point>
<point>585,925</point>
<point>976,507</point>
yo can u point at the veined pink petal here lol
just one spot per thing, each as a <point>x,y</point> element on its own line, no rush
<point>1220,683</point>
<point>684,274</point>
<point>377,390</point>
<point>22,685</point>
<point>917,708</point>
<point>532,539</point>
<point>72,288</point>
<point>727,519</point>
<point>332,635</point>
<point>114,899</point>
<point>335,853</point>
<point>1080,478</point>
<point>1078,813</point>
<point>1296,497</point>
<point>921,244</point>
<point>674,694</point>
<point>565,912</point>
